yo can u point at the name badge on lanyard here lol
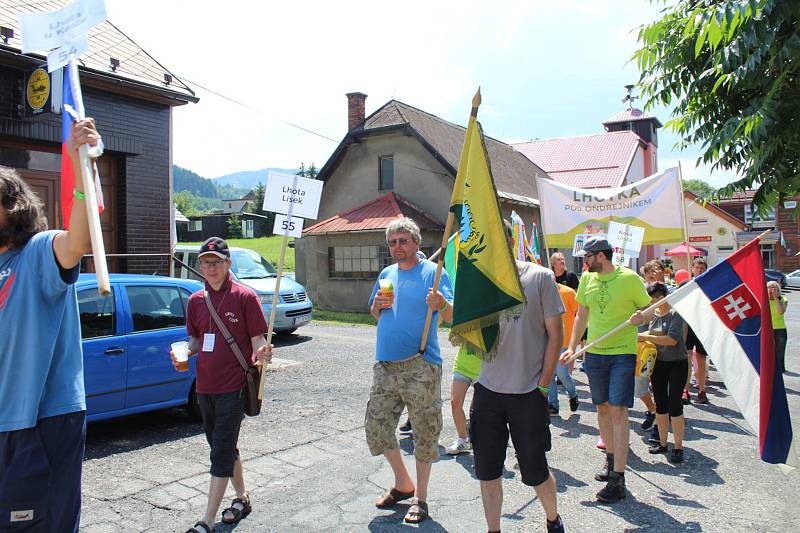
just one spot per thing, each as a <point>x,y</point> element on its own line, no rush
<point>208,342</point>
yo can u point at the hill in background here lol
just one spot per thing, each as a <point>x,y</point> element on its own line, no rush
<point>248,179</point>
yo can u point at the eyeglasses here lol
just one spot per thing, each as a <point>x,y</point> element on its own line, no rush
<point>212,264</point>
<point>395,242</point>
<point>587,255</point>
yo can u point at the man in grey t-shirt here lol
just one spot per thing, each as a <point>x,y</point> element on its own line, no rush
<point>511,394</point>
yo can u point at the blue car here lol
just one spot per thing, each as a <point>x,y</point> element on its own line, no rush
<point>126,339</point>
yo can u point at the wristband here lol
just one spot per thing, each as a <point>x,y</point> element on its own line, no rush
<point>543,389</point>
<point>443,307</point>
<point>78,194</point>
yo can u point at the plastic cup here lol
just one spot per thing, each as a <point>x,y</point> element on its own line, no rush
<point>181,352</point>
<point>387,289</point>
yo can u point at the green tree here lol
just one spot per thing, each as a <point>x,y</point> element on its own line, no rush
<point>699,187</point>
<point>730,69</point>
<point>310,172</point>
<point>263,227</point>
<point>234,227</point>
<point>187,203</point>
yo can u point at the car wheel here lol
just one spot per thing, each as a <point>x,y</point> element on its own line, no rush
<point>192,406</point>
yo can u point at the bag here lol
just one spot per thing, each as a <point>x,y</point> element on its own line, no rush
<point>645,359</point>
<point>252,373</point>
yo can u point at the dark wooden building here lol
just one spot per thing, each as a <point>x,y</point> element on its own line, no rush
<point>131,96</point>
<point>201,227</point>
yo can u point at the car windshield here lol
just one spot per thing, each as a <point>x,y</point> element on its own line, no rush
<point>247,264</point>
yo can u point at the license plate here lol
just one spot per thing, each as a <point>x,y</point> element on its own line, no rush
<point>301,320</point>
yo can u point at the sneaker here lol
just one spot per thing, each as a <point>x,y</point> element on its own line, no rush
<point>702,397</point>
<point>553,410</point>
<point>573,404</point>
<point>614,490</point>
<point>657,448</point>
<point>405,429</point>
<point>601,444</point>
<point>676,456</point>
<point>555,527</point>
<point>458,447</point>
<point>655,438</point>
<point>685,398</point>
<point>649,419</point>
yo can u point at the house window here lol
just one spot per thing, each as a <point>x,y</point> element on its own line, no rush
<point>195,225</point>
<point>386,173</point>
<point>699,221</point>
<point>354,262</point>
<point>756,220</point>
<point>247,229</point>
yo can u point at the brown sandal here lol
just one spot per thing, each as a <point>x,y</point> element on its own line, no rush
<point>391,498</point>
<point>417,512</point>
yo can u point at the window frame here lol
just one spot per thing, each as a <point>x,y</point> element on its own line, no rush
<point>181,292</point>
<point>381,177</point>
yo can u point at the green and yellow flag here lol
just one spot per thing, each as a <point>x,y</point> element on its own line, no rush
<point>487,281</point>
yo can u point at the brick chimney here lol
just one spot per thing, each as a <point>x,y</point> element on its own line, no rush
<point>355,110</point>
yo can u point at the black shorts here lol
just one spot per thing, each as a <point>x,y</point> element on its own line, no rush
<point>693,342</point>
<point>40,475</point>
<point>526,416</point>
<point>222,418</point>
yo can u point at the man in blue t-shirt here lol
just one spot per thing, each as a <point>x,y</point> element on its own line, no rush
<point>42,401</point>
<point>402,376</point>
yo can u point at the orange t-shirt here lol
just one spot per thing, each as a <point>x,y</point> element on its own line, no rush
<point>571,306</point>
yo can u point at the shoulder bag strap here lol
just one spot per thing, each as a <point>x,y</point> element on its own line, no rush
<point>225,332</point>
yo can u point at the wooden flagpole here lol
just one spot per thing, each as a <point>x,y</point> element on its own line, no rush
<point>476,102</point>
<point>646,310</point>
<point>87,175</point>
<point>275,300</point>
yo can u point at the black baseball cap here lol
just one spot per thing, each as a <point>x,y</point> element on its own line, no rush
<point>216,246</point>
<point>596,244</point>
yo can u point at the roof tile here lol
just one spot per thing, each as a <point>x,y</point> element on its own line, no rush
<point>375,215</point>
<point>586,161</point>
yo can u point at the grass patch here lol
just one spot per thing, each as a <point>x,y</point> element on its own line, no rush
<point>267,247</point>
<point>342,317</point>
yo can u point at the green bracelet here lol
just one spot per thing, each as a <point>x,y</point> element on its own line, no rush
<point>78,194</point>
<point>443,307</point>
<point>545,390</point>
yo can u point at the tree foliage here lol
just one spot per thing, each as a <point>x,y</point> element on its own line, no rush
<point>234,227</point>
<point>310,172</point>
<point>730,69</point>
<point>263,227</point>
<point>699,187</point>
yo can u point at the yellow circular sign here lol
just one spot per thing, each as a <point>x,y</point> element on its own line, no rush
<point>38,88</point>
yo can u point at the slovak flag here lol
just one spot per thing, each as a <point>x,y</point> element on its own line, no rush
<point>69,114</point>
<point>728,309</point>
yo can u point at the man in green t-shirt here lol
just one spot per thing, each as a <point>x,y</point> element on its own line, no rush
<point>608,296</point>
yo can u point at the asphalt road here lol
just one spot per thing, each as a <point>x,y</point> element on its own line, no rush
<point>308,468</point>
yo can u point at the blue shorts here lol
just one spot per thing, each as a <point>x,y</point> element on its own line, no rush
<point>40,475</point>
<point>611,378</point>
<point>458,376</point>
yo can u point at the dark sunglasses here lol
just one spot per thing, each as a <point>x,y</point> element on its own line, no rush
<point>395,242</point>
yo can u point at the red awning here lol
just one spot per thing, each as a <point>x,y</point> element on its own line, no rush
<point>681,250</point>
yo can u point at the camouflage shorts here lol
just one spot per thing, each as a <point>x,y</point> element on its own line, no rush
<point>414,383</point>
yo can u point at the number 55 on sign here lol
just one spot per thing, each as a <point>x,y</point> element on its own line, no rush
<point>291,226</point>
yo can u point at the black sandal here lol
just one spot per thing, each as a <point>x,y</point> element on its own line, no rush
<point>391,498</point>
<point>206,528</point>
<point>238,514</point>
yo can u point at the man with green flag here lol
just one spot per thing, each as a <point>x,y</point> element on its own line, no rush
<point>487,282</point>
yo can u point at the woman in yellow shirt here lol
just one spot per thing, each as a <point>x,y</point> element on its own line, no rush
<point>777,307</point>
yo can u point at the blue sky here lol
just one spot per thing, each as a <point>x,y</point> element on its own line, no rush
<point>546,69</point>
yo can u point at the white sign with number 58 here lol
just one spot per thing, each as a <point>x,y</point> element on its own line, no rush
<point>292,227</point>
